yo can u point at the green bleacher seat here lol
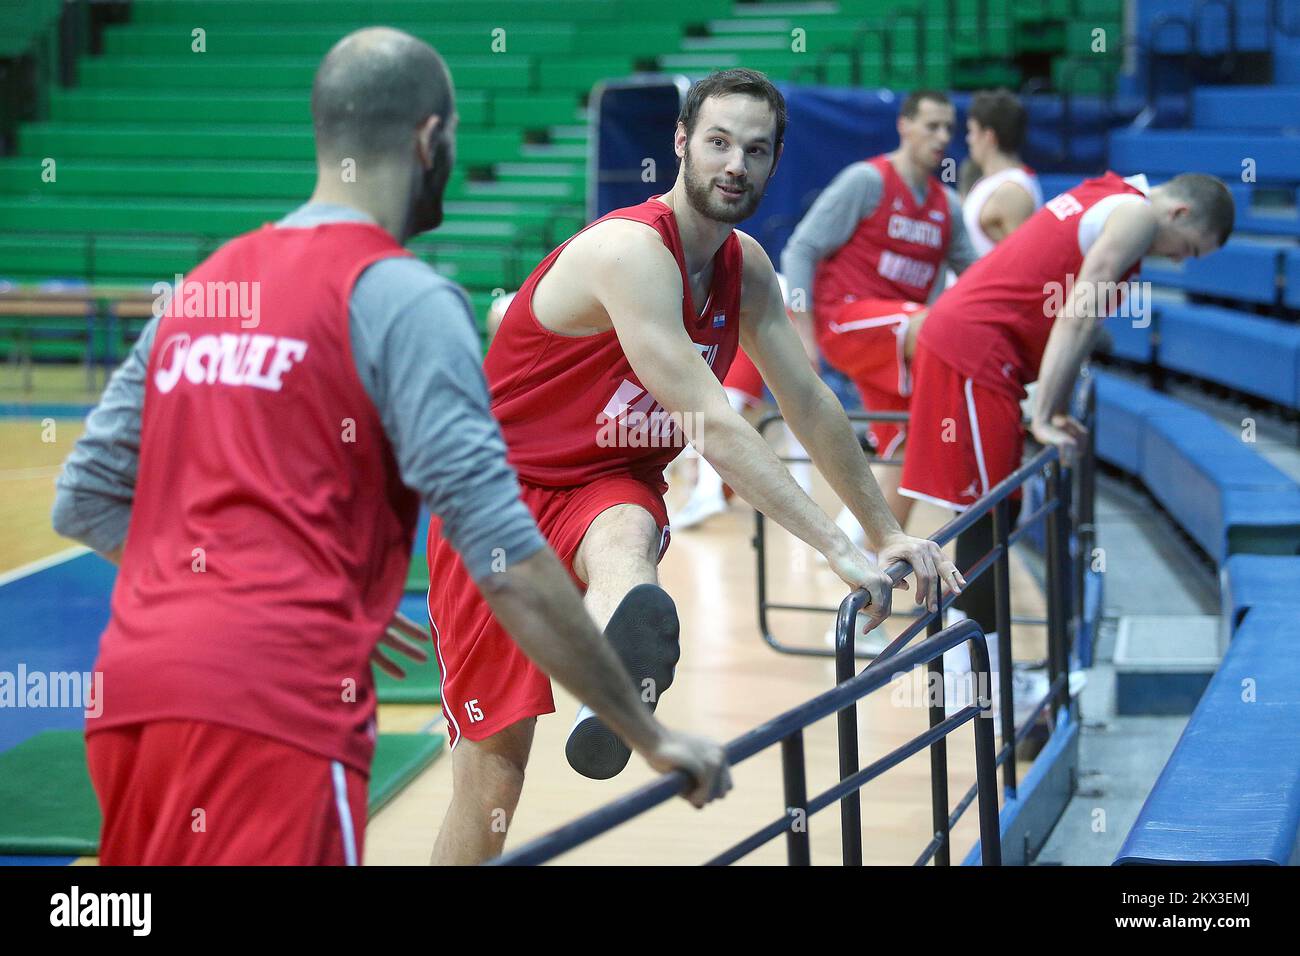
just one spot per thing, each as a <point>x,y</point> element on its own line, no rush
<point>218,142</point>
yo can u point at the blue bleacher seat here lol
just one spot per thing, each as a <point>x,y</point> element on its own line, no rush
<point>1213,484</point>
<point>1261,520</point>
<point>1169,152</point>
<point>1244,269</point>
<point>1230,793</point>
<point>1267,220</point>
<point>1130,340</point>
<point>1053,184</point>
<point>1257,580</point>
<point>1291,278</point>
<point>1122,409</point>
<point>1209,23</point>
<point>1252,354</point>
<point>1246,108</point>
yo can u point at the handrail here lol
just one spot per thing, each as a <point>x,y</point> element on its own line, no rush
<point>787,729</point>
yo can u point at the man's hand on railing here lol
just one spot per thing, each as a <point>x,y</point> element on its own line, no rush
<point>930,565</point>
<point>701,759</point>
<point>858,571</point>
<point>1063,431</point>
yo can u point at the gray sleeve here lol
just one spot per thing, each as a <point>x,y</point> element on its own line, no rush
<point>850,197</point>
<point>961,251</point>
<point>93,493</point>
<point>418,356</point>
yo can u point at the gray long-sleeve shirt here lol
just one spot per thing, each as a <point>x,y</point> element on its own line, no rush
<point>417,355</point>
<point>852,196</point>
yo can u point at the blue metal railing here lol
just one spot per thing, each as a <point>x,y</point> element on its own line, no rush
<point>787,730</point>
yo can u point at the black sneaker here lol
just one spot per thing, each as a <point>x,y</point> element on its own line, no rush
<point>644,633</point>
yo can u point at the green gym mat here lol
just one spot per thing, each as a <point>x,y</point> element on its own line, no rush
<point>398,759</point>
<point>421,685</point>
<point>48,807</point>
<point>417,576</point>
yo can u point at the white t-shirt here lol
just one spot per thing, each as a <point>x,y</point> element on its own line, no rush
<point>980,193</point>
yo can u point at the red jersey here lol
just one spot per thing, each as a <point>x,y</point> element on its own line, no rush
<point>992,326</point>
<point>571,408</point>
<point>270,531</point>
<point>895,253</point>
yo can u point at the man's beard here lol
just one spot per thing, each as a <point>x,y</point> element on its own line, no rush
<point>706,201</point>
<point>427,211</point>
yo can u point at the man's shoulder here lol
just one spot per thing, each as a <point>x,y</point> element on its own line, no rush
<point>612,244</point>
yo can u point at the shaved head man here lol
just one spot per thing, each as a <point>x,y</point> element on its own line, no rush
<point>262,504</point>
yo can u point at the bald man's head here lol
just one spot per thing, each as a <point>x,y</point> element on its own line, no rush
<point>373,89</point>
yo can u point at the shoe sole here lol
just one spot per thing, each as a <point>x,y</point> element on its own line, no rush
<point>644,632</point>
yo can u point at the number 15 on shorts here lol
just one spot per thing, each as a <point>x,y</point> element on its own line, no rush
<point>475,712</point>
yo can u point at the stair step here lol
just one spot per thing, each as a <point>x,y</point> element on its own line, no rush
<point>1164,662</point>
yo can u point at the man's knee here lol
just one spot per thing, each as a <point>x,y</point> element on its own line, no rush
<point>622,535</point>
<point>491,771</point>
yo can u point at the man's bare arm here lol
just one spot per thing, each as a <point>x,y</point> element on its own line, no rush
<point>1004,211</point>
<point>1127,235</point>
<point>818,420</point>
<point>810,408</point>
<point>637,281</point>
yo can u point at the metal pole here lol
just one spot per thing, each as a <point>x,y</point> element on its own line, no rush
<point>796,800</point>
<point>939,749</point>
<point>847,720</point>
<point>1002,615</point>
<point>1055,586</point>
<point>985,767</point>
<point>760,548</point>
<point>1069,599</point>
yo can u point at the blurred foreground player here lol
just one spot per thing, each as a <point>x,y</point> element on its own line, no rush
<point>1028,311</point>
<point>258,476</point>
<point>608,360</point>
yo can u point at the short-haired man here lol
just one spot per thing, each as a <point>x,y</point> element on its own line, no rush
<point>611,350</point>
<point>867,256</point>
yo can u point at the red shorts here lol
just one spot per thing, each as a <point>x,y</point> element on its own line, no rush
<point>187,792</point>
<point>865,340</point>
<point>488,683</point>
<point>743,377</point>
<point>965,437</point>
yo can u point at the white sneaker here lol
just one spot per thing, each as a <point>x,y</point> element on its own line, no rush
<point>698,509</point>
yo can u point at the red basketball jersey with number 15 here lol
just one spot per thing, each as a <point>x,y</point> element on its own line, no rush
<point>571,408</point>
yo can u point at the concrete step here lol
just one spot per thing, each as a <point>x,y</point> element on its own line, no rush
<point>1164,662</point>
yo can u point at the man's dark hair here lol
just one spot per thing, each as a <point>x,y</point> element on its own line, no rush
<point>912,102</point>
<point>1002,112</point>
<point>373,88</point>
<point>1212,207</point>
<point>730,83</point>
